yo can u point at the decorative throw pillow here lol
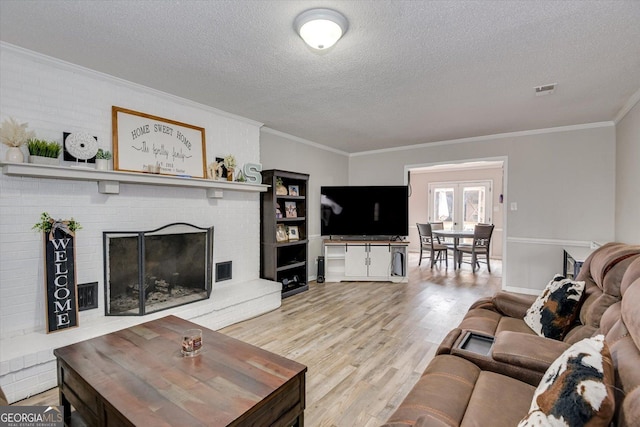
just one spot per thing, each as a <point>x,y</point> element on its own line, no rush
<point>553,312</point>
<point>577,389</point>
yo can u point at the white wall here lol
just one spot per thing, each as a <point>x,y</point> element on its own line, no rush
<point>628,177</point>
<point>324,166</point>
<point>563,181</point>
<point>54,97</point>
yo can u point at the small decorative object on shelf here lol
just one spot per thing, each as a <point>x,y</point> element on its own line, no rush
<point>14,135</point>
<point>214,170</point>
<point>80,146</point>
<point>292,232</point>
<point>290,209</point>
<point>102,159</point>
<point>230,164</point>
<point>281,234</point>
<point>281,190</point>
<point>44,152</point>
<point>152,168</point>
<point>293,190</point>
<point>221,170</point>
<point>251,172</point>
<point>240,177</point>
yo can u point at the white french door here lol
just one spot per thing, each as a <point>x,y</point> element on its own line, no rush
<point>460,205</point>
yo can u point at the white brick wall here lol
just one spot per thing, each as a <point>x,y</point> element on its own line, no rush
<point>56,97</point>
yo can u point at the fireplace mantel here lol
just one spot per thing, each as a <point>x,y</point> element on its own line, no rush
<point>109,181</point>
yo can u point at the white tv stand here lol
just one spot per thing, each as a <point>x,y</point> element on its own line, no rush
<point>365,260</point>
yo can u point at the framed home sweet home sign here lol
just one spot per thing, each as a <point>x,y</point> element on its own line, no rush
<point>151,144</point>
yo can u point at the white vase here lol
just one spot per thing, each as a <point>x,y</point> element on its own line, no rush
<point>41,160</point>
<point>102,164</point>
<point>14,155</point>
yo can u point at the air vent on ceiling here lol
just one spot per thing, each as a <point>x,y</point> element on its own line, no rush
<point>545,89</point>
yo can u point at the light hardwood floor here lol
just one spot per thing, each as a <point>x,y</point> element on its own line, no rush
<point>365,343</point>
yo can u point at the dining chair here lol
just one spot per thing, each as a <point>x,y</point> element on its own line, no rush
<point>443,240</point>
<point>437,226</point>
<point>480,246</point>
<point>427,243</point>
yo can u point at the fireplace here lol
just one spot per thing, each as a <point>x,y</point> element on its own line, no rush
<point>149,271</point>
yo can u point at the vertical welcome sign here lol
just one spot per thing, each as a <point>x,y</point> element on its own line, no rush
<point>60,279</point>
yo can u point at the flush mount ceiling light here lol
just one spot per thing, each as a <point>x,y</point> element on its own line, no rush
<point>320,28</point>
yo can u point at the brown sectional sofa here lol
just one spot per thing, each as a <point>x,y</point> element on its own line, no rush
<point>496,387</point>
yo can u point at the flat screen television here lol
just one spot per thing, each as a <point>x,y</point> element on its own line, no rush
<point>364,211</point>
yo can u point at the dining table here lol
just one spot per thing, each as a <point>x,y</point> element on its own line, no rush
<point>456,235</point>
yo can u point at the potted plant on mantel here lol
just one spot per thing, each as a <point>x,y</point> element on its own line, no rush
<point>14,135</point>
<point>44,152</point>
<point>102,159</point>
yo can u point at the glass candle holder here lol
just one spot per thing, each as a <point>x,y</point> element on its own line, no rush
<point>191,342</point>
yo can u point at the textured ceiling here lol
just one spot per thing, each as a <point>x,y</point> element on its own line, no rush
<point>406,72</point>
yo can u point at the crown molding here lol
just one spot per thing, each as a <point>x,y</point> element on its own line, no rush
<point>488,137</point>
<point>628,106</point>
<point>302,141</point>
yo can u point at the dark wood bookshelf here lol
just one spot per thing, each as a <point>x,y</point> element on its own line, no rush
<point>284,261</point>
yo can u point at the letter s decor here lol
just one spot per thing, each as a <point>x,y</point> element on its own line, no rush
<point>252,173</point>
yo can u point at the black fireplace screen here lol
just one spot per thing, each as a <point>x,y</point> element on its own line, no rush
<point>149,271</point>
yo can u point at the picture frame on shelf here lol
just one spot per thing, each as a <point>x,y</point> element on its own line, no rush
<point>294,190</point>
<point>222,169</point>
<point>293,233</point>
<point>290,209</point>
<point>281,234</point>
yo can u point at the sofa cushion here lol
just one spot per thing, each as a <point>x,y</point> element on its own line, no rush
<point>553,312</point>
<point>455,375</point>
<point>497,391</point>
<point>577,389</point>
<point>481,321</point>
<point>513,325</point>
<point>455,392</point>
<point>512,304</point>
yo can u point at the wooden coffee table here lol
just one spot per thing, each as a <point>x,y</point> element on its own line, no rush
<point>138,377</point>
